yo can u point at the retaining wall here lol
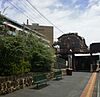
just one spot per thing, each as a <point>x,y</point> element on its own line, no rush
<point>10,84</point>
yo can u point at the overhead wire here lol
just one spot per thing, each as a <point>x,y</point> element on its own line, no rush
<point>32,12</point>
<point>19,9</point>
<point>44,16</point>
<point>29,16</point>
<point>35,11</point>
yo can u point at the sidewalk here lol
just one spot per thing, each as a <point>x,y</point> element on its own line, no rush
<point>96,92</point>
<point>69,86</point>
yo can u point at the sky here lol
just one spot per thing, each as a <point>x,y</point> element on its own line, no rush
<point>76,16</point>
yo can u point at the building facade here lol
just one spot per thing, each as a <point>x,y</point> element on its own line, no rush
<point>13,28</point>
<point>75,51</point>
<point>47,31</point>
<point>72,42</point>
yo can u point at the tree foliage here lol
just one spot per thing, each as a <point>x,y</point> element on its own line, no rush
<point>41,55</point>
<point>13,56</point>
<point>3,29</point>
<point>42,58</point>
<point>23,53</point>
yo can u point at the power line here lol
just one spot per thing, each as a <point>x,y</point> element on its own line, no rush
<point>44,17</point>
<point>38,13</point>
<point>29,16</point>
<point>31,11</point>
<point>20,10</point>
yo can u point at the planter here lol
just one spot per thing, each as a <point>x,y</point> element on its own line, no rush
<point>69,71</point>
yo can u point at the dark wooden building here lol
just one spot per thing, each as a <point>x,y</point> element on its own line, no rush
<point>95,47</point>
<point>85,62</point>
<point>72,44</point>
<point>72,41</point>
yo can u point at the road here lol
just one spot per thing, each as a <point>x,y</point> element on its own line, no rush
<point>69,86</point>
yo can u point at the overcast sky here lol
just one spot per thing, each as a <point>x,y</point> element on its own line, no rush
<point>82,16</point>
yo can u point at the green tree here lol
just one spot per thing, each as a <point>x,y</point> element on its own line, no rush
<point>3,29</point>
<point>12,56</point>
<point>41,55</point>
<point>42,58</point>
<point>19,54</point>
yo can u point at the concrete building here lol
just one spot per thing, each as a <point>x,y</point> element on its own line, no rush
<point>14,28</point>
<point>47,31</point>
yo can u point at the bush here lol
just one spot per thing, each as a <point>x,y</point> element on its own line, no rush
<point>42,56</point>
<point>12,56</point>
<point>20,54</point>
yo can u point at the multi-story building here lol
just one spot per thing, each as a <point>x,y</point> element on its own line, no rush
<point>47,31</point>
<point>14,28</point>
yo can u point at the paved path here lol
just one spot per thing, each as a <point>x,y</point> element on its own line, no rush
<point>88,90</point>
<point>98,85</point>
<point>96,92</point>
<point>69,86</point>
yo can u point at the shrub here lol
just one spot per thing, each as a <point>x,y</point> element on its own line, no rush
<point>12,56</point>
<point>22,53</point>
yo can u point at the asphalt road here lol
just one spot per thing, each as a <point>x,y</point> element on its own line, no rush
<point>69,86</point>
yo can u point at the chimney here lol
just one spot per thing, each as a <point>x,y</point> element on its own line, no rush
<point>27,22</point>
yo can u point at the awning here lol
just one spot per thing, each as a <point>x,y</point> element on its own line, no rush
<point>13,26</point>
<point>94,54</point>
<point>82,55</point>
